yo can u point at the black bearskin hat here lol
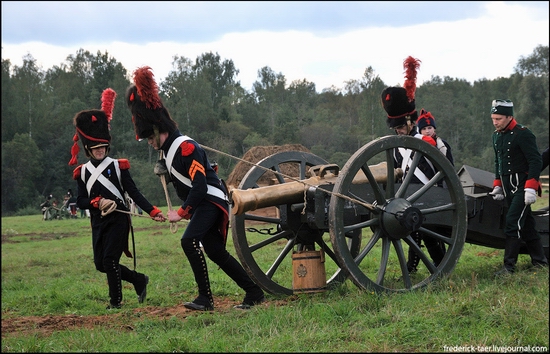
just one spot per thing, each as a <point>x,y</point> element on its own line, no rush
<point>146,106</point>
<point>399,102</point>
<point>93,126</point>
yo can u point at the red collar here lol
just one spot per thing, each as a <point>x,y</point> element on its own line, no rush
<point>510,125</point>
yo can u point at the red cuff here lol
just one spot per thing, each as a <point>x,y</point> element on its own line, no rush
<point>497,183</point>
<point>155,212</point>
<point>532,183</point>
<point>185,213</point>
<point>95,202</point>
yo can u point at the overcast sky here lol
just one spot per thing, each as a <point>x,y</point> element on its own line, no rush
<point>324,42</point>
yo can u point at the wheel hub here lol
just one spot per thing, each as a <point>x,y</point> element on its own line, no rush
<point>400,218</point>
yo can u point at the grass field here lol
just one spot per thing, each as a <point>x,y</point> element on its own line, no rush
<point>53,300</point>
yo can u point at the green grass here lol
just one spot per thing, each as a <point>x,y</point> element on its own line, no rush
<point>48,274</point>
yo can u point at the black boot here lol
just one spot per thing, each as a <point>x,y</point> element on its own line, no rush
<point>114,281</point>
<point>231,267</point>
<point>536,251</point>
<point>511,252</point>
<point>414,259</point>
<point>435,249</point>
<point>139,280</point>
<point>204,302</point>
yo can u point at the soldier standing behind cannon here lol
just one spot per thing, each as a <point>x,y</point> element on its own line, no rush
<point>204,197</point>
<point>399,104</point>
<point>102,183</point>
<point>518,164</point>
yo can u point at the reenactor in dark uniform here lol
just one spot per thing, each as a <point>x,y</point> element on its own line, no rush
<point>102,184</point>
<point>517,170</point>
<point>399,104</point>
<point>203,196</point>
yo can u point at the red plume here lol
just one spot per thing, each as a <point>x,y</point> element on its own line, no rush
<point>147,88</point>
<point>74,151</point>
<point>410,65</point>
<point>108,102</point>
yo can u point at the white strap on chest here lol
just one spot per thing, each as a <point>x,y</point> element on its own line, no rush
<point>406,162</point>
<point>216,192</point>
<point>96,175</point>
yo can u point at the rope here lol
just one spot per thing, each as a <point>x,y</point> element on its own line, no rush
<point>136,214</point>
<point>353,200</point>
<point>173,225</point>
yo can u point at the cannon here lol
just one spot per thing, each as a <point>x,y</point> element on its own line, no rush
<point>360,218</point>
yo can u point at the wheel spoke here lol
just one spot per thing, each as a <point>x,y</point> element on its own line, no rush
<point>286,251</point>
<point>368,247</point>
<point>276,237</point>
<point>436,235</point>
<point>383,261</point>
<point>379,195</point>
<point>402,263</point>
<point>444,207</point>
<point>408,177</point>
<point>415,196</point>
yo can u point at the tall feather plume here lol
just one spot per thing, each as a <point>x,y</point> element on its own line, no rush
<point>108,102</point>
<point>147,88</point>
<point>410,65</point>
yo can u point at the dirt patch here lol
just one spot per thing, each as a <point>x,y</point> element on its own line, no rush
<point>46,325</point>
<point>258,153</point>
<point>37,236</point>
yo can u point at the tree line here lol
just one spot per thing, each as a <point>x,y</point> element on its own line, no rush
<point>207,101</point>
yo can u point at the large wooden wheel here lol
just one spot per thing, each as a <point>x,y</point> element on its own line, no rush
<point>265,244</point>
<point>392,212</point>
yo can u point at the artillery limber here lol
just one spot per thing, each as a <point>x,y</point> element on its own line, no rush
<point>360,218</point>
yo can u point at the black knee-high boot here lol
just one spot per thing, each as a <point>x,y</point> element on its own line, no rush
<point>192,250</point>
<point>536,251</point>
<point>114,281</point>
<point>231,267</point>
<point>138,280</point>
<point>511,252</point>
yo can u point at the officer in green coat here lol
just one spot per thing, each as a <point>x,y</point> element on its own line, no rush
<point>517,170</point>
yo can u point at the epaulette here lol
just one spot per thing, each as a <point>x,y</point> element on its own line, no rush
<point>187,148</point>
<point>76,172</point>
<point>124,164</point>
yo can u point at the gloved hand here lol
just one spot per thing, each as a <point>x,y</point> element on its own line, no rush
<point>429,140</point>
<point>185,213</point>
<point>106,206</point>
<point>497,193</point>
<point>530,196</point>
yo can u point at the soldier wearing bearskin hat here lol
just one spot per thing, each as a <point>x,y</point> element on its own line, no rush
<point>102,183</point>
<point>204,196</point>
<point>400,106</point>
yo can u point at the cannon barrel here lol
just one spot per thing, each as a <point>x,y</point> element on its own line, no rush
<point>293,192</point>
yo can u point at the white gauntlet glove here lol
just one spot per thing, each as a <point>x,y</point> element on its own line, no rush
<point>106,206</point>
<point>530,196</point>
<point>497,193</point>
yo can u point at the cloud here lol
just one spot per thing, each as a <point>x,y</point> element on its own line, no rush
<point>481,40</point>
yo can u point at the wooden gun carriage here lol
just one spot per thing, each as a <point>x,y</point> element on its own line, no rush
<point>360,219</point>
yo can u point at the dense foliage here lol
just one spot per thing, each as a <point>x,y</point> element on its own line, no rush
<point>209,104</point>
